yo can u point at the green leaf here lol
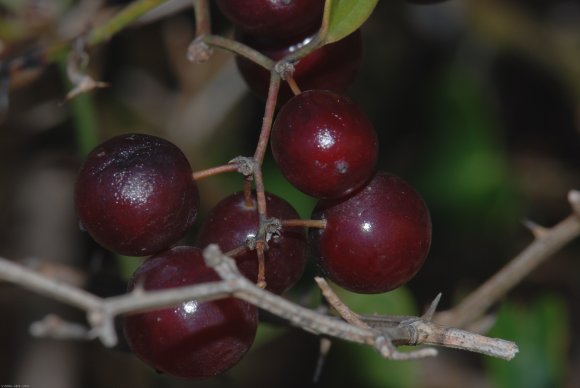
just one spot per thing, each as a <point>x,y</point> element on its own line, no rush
<point>346,16</point>
<point>128,265</point>
<point>542,333</point>
<point>396,302</point>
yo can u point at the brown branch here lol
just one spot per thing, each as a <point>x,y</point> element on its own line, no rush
<point>546,243</point>
<point>102,311</point>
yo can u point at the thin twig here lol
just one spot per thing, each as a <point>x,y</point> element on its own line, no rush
<point>318,224</point>
<point>544,245</point>
<point>102,311</point>
<point>202,17</point>
<point>214,171</point>
<point>247,190</point>
<point>52,326</point>
<point>237,251</point>
<point>268,119</point>
<point>384,344</point>
<point>424,332</point>
<point>261,281</point>
<point>293,85</point>
<point>43,285</point>
<point>261,238</point>
<point>260,200</point>
<point>323,350</point>
<point>464,340</point>
<point>236,48</point>
<point>342,309</point>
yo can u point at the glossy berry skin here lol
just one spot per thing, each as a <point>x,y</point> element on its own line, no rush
<point>275,19</point>
<point>375,240</point>
<point>324,144</point>
<point>193,340</point>
<point>135,194</point>
<point>231,222</point>
<point>332,67</point>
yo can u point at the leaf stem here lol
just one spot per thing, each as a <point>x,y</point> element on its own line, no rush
<point>325,19</point>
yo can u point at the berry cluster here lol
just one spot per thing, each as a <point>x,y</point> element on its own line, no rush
<point>279,28</point>
<point>136,195</point>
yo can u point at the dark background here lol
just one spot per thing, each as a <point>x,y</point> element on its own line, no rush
<point>477,103</point>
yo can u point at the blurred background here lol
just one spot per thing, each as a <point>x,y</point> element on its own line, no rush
<point>477,104</point>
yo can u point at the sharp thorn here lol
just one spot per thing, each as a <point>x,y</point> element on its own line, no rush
<point>537,230</point>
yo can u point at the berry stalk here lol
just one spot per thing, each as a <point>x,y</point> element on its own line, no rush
<point>319,224</point>
<point>293,85</point>
<point>202,17</point>
<point>234,47</point>
<point>213,171</point>
<point>268,119</point>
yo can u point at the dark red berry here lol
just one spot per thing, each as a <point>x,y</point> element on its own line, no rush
<point>135,194</point>
<point>232,222</point>
<point>333,66</point>
<point>375,240</point>
<point>275,19</point>
<point>194,339</point>
<point>324,144</point>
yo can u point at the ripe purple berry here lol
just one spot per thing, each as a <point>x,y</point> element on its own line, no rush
<point>375,240</point>
<point>135,194</point>
<point>324,144</point>
<point>194,339</point>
